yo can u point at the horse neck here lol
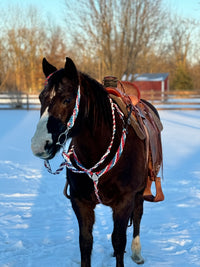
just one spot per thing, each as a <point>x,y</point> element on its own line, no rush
<point>94,135</point>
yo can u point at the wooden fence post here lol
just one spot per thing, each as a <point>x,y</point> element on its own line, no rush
<point>27,101</point>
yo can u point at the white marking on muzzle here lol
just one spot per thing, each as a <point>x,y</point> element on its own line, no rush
<point>41,137</point>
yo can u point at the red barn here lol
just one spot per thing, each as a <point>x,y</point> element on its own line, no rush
<point>151,81</point>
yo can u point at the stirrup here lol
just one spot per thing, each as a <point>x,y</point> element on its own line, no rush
<point>149,198</point>
<point>159,193</point>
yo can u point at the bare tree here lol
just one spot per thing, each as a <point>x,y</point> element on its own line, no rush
<point>116,32</point>
<point>181,38</point>
<point>26,39</point>
<point>180,46</point>
<point>56,47</point>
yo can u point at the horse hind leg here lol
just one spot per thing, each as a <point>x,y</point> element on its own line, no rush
<point>137,215</point>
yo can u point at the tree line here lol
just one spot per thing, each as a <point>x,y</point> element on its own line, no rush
<point>107,37</point>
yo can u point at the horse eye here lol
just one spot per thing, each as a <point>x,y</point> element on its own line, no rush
<point>67,101</point>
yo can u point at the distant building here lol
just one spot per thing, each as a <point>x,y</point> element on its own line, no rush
<point>150,81</point>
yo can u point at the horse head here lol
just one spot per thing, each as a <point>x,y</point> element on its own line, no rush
<point>58,101</point>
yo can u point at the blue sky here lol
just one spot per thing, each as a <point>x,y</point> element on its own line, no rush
<point>186,8</point>
<point>54,8</point>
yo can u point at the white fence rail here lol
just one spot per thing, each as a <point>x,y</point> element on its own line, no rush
<point>19,101</point>
<point>181,100</point>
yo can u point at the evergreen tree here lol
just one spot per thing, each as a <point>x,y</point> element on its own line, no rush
<point>182,80</point>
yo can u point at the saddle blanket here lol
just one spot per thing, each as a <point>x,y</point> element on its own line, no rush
<point>133,119</point>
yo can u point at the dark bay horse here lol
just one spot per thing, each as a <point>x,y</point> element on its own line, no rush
<point>106,161</point>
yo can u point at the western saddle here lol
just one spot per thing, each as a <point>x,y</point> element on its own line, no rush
<point>147,125</point>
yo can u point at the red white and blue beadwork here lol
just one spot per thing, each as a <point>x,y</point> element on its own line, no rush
<point>67,155</point>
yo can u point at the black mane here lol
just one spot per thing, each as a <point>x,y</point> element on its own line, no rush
<point>98,105</point>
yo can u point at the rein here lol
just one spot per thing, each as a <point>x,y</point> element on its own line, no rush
<point>94,175</point>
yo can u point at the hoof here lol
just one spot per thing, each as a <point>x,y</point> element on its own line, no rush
<point>138,259</point>
<point>136,250</point>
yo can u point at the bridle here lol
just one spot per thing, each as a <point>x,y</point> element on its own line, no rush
<point>71,120</point>
<point>67,155</point>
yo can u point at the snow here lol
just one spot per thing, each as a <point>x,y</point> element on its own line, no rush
<point>39,228</point>
<point>156,77</point>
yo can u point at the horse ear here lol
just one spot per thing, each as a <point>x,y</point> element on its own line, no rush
<point>47,67</point>
<point>70,70</point>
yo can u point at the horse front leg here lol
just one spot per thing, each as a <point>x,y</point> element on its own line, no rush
<point>85,215</point>
<point>137,216</point>
<point>120,218</point>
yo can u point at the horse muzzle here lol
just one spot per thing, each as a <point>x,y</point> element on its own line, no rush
<point>41,150</point>
<point>42,145</point>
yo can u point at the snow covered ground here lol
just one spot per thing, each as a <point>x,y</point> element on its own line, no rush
<point>37,224</point>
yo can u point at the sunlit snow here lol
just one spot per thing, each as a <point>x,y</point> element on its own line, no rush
<point>39,228</point>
